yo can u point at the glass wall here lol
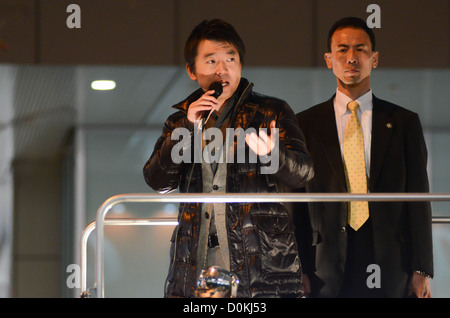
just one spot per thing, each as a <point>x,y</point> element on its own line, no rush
<point>136,258</point>
<point>7,78</point>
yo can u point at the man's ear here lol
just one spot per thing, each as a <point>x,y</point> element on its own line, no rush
<point>191,73</point>
<point>376,55</point>
<point>328,60</point>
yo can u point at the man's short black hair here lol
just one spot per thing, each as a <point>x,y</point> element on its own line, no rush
<point>351,22</point>
<point>214,30</point>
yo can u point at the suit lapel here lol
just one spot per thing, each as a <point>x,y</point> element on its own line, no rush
<point>383,125</point>
<point>330,141</point>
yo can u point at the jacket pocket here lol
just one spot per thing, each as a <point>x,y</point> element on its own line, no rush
<point>277,244</point>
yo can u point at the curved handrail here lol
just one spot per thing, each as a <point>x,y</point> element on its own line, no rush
<point>235,198</point>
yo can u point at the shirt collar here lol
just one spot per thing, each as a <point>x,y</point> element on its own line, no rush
<point>341,100</point>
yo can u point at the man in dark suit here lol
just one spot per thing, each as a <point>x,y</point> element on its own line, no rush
<point>389,254</point>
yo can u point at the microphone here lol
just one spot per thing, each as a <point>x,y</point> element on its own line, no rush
<point>217,87</point>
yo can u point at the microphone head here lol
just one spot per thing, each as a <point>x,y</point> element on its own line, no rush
<point>217,87</point>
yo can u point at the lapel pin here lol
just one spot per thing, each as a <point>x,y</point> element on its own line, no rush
<point>389,125</point>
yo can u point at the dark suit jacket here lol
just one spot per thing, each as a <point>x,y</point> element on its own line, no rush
<point>401,230</point>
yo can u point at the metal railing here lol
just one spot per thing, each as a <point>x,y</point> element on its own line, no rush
<point>116,221</point>
<point>101,220</point>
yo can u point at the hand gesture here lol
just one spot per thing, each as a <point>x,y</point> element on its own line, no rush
<point>263,144</point>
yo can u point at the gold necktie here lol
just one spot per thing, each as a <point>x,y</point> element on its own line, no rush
<point>355,165</point>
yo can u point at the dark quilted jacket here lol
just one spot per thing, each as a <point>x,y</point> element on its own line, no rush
<point>263,248</point>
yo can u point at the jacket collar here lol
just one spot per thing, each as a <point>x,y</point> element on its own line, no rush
<point>242,92</point>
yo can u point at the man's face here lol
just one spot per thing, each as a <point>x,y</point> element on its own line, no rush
<point>217,61</point>
<point>351,57</point>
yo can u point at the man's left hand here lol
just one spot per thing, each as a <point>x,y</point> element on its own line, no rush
<point>420,285</point>
<point>263,144</point>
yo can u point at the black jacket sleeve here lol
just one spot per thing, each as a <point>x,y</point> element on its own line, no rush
<point>295,163</point>
<point>161,173</point>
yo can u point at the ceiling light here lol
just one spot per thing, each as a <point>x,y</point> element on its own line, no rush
<point>103,85</point>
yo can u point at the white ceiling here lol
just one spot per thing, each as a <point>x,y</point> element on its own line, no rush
<point>40,104</point>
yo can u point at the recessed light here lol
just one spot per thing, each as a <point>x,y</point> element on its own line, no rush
<point>103,85</point>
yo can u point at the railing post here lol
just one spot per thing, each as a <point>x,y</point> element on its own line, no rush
<point>83,259</point>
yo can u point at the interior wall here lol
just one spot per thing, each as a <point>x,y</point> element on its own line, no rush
<point>6,179</point>
<point>37,229</point>
<point>6,232</point>
<point>277,33</point>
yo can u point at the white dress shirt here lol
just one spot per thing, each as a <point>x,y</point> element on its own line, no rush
<point>365,116</point>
